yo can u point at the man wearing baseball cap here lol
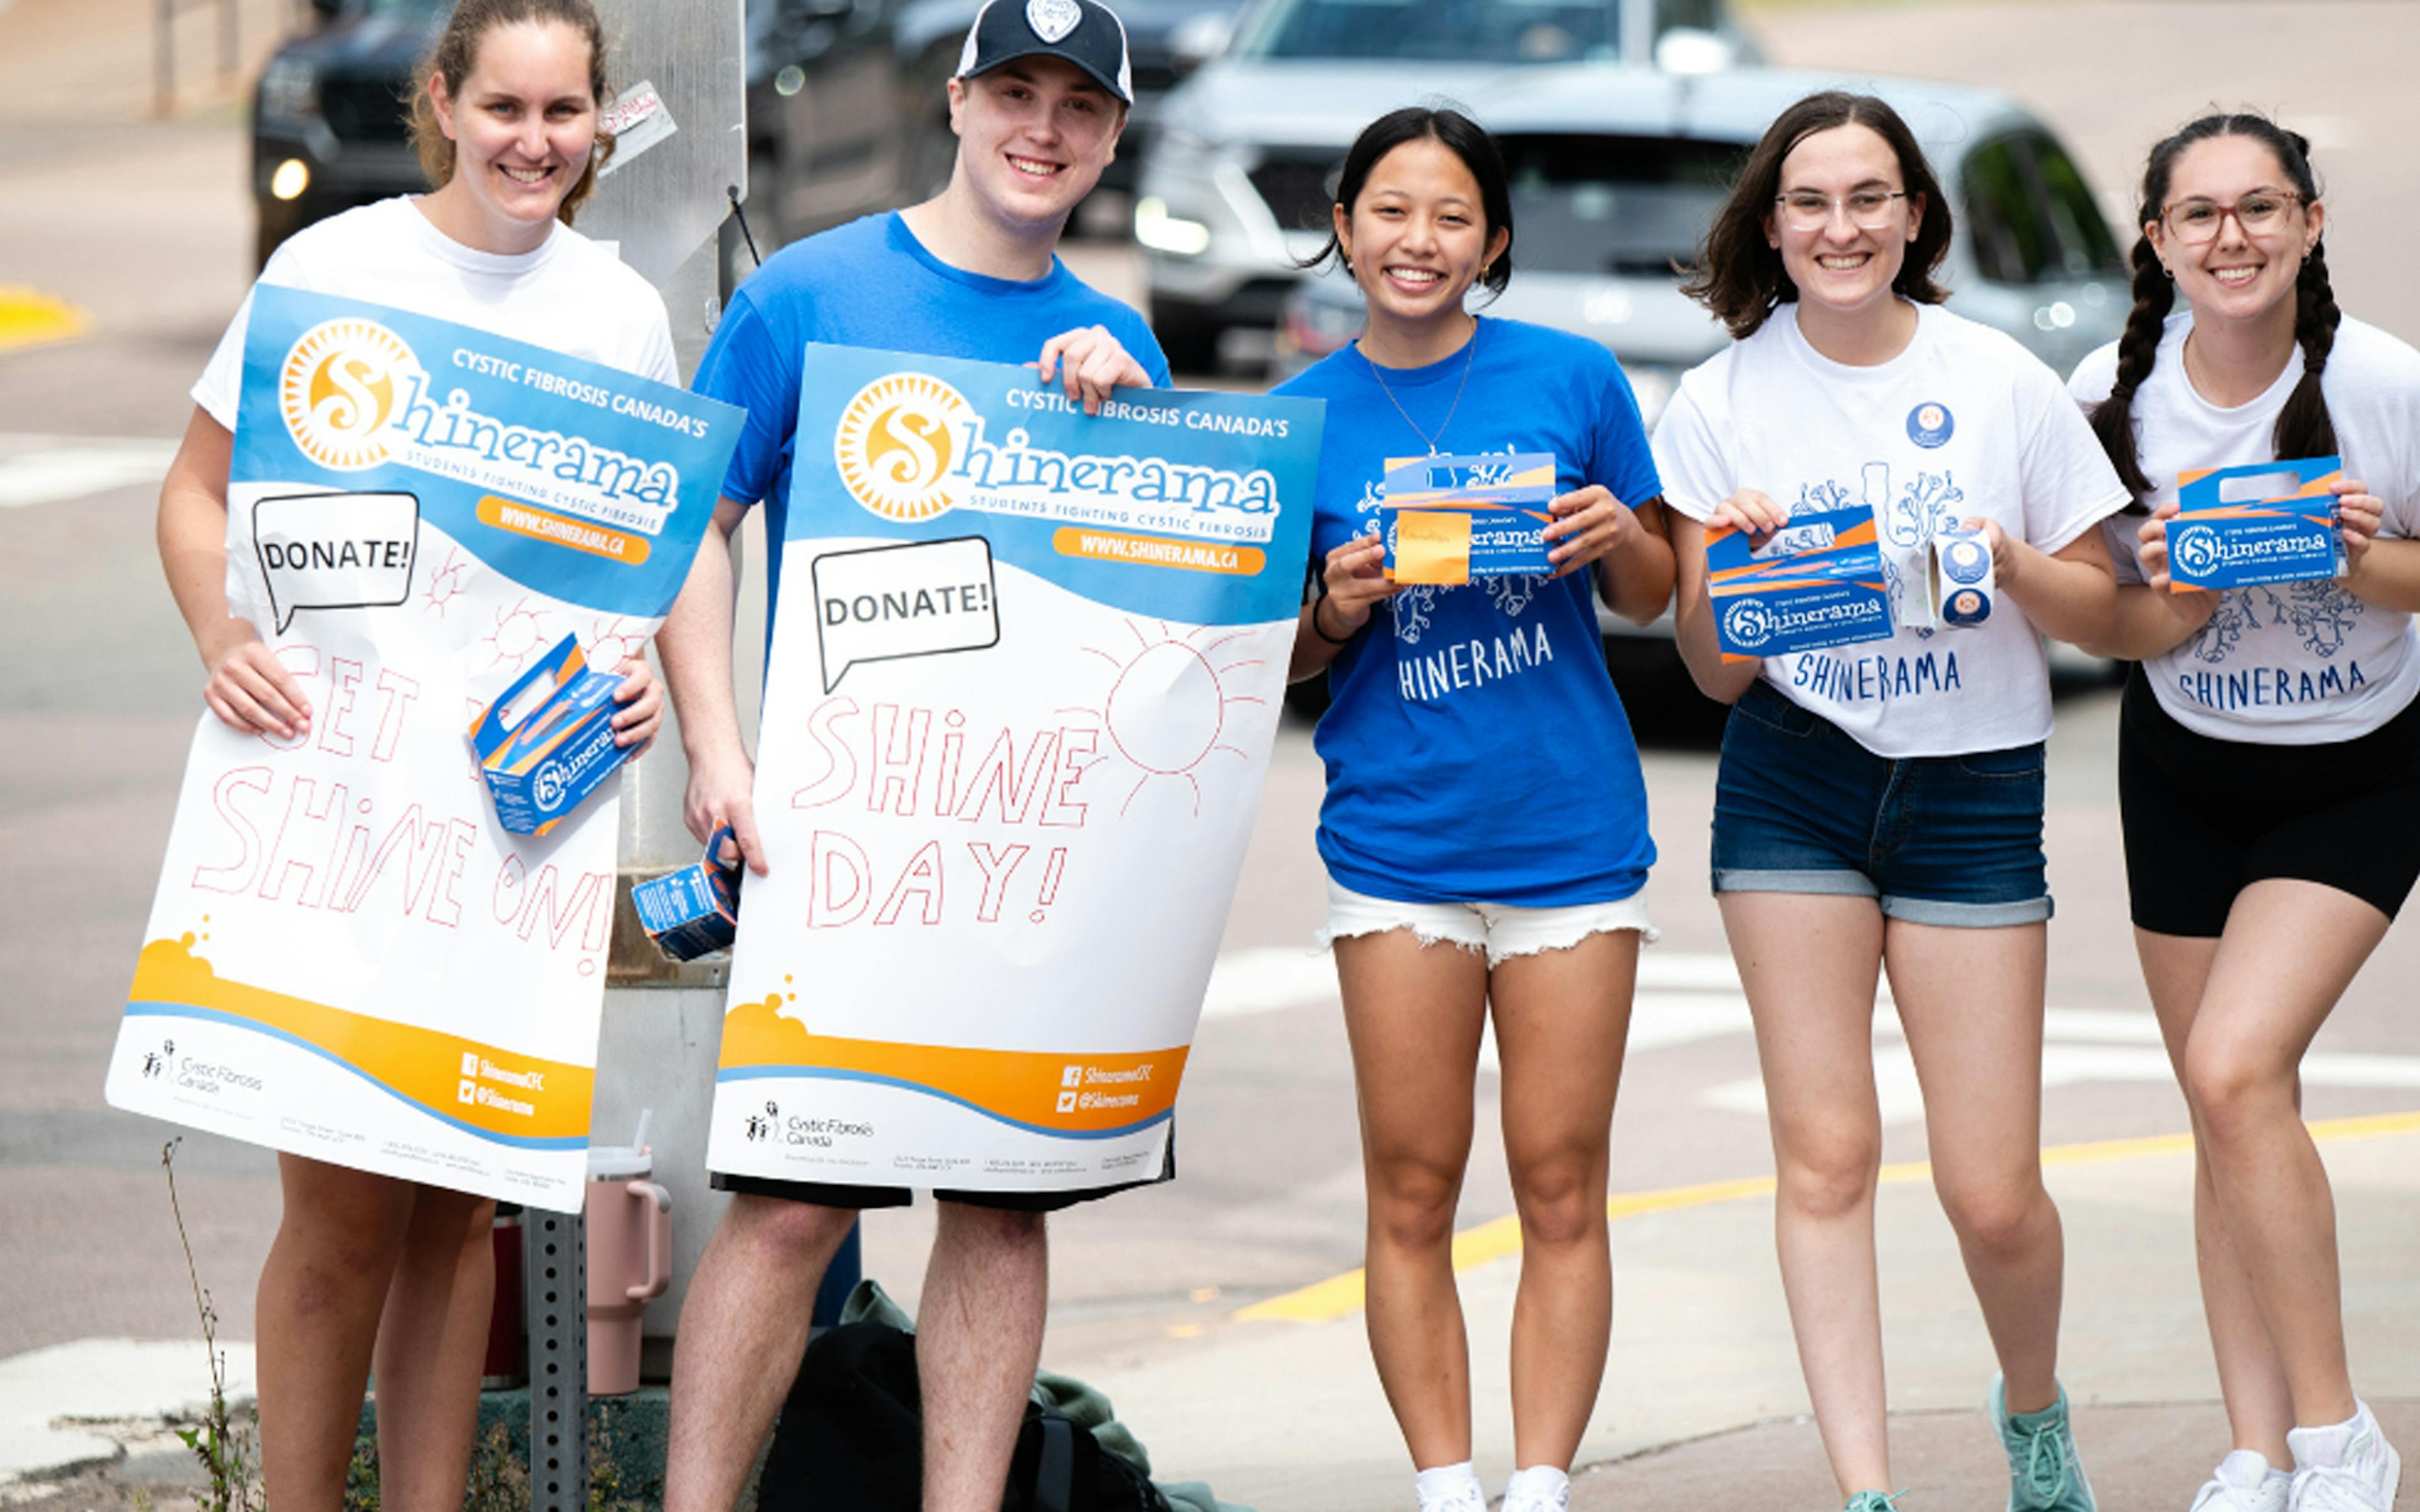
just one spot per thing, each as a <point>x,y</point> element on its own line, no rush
<point>1038,102</point>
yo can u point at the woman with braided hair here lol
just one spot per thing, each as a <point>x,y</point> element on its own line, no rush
<point>2269,767</point>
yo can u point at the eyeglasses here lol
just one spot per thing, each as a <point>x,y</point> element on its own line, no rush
<point>1870,209</point>
<point>2259,213</point>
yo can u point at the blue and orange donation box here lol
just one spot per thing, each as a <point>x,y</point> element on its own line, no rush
<point>1817,582</point>
<point>2234,530</point>
<point>547,742</point>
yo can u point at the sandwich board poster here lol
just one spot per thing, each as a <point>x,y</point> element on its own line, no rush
<point>347,957</point>
<point>1027,669</point>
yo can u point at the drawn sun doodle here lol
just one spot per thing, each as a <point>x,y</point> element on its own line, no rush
<point>520,634</point>
<point>613,639</point>
<point>1165,712</point>
<point>450,582</point>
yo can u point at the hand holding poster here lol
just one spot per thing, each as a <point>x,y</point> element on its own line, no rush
<point>348,958</point>
<point>1027,668</point>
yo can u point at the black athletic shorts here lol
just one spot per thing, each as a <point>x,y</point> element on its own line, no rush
<point>864,1199</point>
<point>2205,818</point>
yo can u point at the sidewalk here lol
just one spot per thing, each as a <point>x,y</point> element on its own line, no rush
<point>1703,1407</point>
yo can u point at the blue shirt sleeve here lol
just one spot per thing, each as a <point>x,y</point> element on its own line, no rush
<point>751,364</point>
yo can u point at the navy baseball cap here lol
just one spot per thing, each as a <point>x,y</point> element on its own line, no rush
<point>1085,33</point>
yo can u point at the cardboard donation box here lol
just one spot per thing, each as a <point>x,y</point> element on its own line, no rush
<point>1817,582</point>
<point>1452,518</point>
<point>694,911</point>
<point>540,758</point>
<point>2234,530</point>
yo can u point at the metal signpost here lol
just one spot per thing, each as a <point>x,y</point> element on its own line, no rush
<point>680,128</point>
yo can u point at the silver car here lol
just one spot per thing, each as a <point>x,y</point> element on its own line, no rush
<point>1616,174</point>
<point>1235,183</point>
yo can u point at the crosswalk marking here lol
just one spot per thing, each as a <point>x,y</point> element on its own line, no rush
<point>50,469</point>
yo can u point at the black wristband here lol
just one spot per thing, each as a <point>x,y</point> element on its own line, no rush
<point>1320,630</point>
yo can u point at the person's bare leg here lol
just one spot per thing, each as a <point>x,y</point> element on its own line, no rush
<point>743,1330</point>
<point>432,1343</point>
<point>978,1340</point>
<point>2251,1376</point>
<point>1560,1020</point>
<point>1810,964</point>
<point>1971,1001</point>
<point>2290,950</point>
<point>1414,1014</point>
<point>317,1319</point>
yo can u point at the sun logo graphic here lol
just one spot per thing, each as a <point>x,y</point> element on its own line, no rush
<point>339,386</point>
<point>893,446</point>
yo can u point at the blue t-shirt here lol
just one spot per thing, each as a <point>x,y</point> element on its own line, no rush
<point>1476,750</point>
<point>872,284</point>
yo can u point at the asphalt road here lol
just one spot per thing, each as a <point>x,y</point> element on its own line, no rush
<point>146,228</point>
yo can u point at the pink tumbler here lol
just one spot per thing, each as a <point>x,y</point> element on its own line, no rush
<point>630,1261</point>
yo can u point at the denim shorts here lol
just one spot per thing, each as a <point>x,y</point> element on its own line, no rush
<point>1801,806</point>
<point>1502,930</point>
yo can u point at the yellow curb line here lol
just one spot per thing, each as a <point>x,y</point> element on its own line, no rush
<point>1326,1300</point>
<point>29,316</point>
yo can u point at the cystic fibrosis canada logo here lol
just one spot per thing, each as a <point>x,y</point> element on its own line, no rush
<point>339,386</point>
<point>893,447</point>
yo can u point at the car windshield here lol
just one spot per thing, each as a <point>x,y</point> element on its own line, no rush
<point>1456,31</point>
<point>1635,205</point>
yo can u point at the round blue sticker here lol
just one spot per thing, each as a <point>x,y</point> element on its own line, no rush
<point>1929,424</point>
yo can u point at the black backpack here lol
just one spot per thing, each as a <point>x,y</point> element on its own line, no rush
<point>851,1440</point>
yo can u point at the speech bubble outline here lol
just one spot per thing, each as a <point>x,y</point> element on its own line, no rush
<point>913,589</point>
<point>381,518</point>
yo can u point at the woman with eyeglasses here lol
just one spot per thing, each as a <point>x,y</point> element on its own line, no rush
<point>1485,825</point>
<point>2269,765</point>
<point>1879,805</point>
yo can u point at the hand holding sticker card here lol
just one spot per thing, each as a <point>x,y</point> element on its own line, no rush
<point>1827,592</point>
<point>1454,519</point>
<point>2235,529</point>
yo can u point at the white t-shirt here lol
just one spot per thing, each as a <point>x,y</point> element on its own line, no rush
<point>2288,663</point>
<point>1965,423</point>
<point>569,296</point>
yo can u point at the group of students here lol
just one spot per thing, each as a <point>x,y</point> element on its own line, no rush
<point>1486,840</point>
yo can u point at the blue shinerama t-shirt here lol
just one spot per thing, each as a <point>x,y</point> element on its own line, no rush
<point>1476,750</point>
<point>872,284</point>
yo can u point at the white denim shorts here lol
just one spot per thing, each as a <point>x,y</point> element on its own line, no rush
<point>1501,930</point>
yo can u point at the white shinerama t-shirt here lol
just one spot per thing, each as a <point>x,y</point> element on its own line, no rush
<point>569,296</point>
<point>1965,423</point>
<point>2288,663</point>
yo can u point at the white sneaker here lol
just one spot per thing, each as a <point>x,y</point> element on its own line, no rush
<point>1466,1496</point>
<point>1533,1502</point>
<point>2243,1482</point>
<point>2346,1468</point>
<point>1449,1488</point>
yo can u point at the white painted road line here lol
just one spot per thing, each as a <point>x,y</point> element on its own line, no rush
<point>50,469</point>
<point>55,1402</point>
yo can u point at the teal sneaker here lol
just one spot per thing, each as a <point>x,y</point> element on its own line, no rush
<point>1874,1502</point>
<point>2044,1475</point>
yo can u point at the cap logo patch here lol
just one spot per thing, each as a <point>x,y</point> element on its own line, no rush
<point>1053,19</point>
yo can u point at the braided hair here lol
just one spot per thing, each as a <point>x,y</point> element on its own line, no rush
<point>2304,426</point>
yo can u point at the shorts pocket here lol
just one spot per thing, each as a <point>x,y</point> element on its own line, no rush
<point>2018,763</point>
<point>1762,706</point>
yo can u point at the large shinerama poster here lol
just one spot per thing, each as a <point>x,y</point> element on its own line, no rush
<point>347,957</point>
<point>1027,668</point>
